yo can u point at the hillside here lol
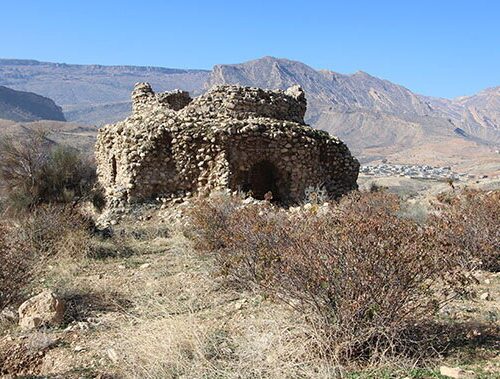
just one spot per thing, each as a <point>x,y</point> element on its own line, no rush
<point>344,92</point>
<point>378,119</point>
<point>78,136</point>
<point>27,106</point>
<point>81,89</point>
<point>149,301</point>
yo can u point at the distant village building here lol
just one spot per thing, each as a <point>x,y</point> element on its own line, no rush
<point>232,137</point>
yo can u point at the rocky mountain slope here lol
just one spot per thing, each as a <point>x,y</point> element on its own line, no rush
<point>27,106</point>
<point>481,110</point>
<point>378,119</point>
<point>484,107</point>
<point>93,94</point>
<point>344,92</point>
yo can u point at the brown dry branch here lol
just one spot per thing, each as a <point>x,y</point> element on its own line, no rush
<point>34,170</point>
<point>365,275</point>
<point>471,221</point>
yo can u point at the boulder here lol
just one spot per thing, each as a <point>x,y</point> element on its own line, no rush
<point>41,310</point>
<point>456,372</point>
<point>8,315</point>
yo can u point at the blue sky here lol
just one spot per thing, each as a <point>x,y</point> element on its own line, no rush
<point>439,48</point>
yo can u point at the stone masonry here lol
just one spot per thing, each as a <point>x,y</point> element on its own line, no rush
<point>237,138</point>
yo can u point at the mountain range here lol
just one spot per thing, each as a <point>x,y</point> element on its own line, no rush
<point>378,119</point>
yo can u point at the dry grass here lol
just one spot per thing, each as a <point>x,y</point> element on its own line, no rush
<point>29,240</point>
<point>269,342</point>
<point>148,305</point>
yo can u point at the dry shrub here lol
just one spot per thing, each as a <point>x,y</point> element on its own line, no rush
<point>242,238</point>
<point>471,221</point>
<point>33,171</point>
<point>28,241</point>
<point>364,274</point>
<point>211,220</point>
<point>45,226</point>
<point>15,264</point>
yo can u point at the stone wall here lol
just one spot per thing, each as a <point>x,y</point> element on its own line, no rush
<point>232,137</point>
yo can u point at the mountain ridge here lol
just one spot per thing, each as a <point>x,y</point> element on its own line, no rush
<point>27,106</point>
<point>375,117</point>
<point>379,119</point>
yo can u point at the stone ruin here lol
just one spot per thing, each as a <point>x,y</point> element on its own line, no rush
<point>230,138</point>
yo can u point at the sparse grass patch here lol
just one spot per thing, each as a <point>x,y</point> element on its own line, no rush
<point>83,302</point>
<point>392,373</point>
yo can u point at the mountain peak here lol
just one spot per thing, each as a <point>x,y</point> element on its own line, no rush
<point>357,91</point>
<point>363,74</point>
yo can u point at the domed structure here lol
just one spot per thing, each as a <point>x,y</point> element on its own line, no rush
<point>232,137</point>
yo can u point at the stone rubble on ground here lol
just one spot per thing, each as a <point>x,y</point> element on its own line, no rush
<point>485,296</point>
<point>8,315</point>
<point>44,309</point>
<point>456,373</point>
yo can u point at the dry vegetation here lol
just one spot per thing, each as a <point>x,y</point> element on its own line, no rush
<point>356,289</point>
<point>471,224</point>
<point>368,278</point>
<point>34,171</point>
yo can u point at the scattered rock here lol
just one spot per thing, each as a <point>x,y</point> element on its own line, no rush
<point>83,325</point>
<point>79,349</point>
<point>112,355</point>
<point>43,309</point>
<point>485,296</point>
<point>239,304</point>
<point>456,373</point>
<point>39,341</point>
<point>8,315</point>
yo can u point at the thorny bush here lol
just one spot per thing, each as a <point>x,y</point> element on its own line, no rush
<point>28,240</point>
<point>365,275</point>
<point>471,221</point>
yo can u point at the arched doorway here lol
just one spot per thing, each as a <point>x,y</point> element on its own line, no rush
<point>264,177</point>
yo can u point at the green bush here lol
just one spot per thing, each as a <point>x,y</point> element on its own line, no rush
<point>34,171</point>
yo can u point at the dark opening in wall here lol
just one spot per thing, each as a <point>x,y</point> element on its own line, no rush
<point>264,177</point>
<point>113,169</point>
